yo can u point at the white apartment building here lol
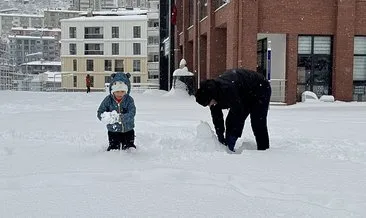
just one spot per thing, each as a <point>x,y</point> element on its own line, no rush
<point>101,45</point>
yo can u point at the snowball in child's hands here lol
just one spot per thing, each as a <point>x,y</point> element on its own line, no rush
<point>109,117</point>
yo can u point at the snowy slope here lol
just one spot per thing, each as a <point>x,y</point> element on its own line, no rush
<point>52,162</point>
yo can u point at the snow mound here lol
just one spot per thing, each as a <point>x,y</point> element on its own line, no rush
<point>327,98</point>
<point>308,96</point>
<point>154,92</point>
<point>206,139</point>
<point>176,93</point>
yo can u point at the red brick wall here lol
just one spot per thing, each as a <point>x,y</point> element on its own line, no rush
<point>299,17</point>
<point>360,26</point>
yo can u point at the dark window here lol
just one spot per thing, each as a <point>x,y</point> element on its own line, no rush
<point>115,32</point>
<point>108,65</point>
<point>115,48</point>
<point>74,65</point>
<point>136,48</point>
<point>118,66</point>
<point>136,65</point>
<point>136,79</point>
<point>107,79</point>
<point>72,49</point>
<point>72,32</point>
<point>89,65</point>
<point>93,49</point>
<point>93,33</point>
<point>136,32</point>
<point>75,81</point>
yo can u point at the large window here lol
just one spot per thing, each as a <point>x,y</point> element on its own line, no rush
<point>74,65</point>
<point>136,32</point>
<point>359,69</point>
<point>118,66</point>
<point>72,32</point>
<point>136,65</point>
<point>72,49</point>
<point>115,48</point>
<point>314,65</point>
<point>89,65</point>
<point>136,79</point>
<point>93,33</point>
<point>75,81</point>
<point>93,49</point>
<point>107,65</point>
<point>136,48</point>
<point>115,32</point>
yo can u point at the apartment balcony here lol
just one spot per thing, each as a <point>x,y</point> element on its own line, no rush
<point>153,31</point>
<point>152,66</point>
<point>153,48</point>
<point>153,15</point>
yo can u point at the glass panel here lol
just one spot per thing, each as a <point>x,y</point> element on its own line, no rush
<point>322,69</point>
<point>360,45</point>
<point>320,90</point>
<point>322,45</point>
<point>304,69</point>
<point>359,68</point>
<point>304,45</point>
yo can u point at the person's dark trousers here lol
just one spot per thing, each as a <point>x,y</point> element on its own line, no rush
<point>87,89</point>
<point>258,117</point>
<point>121,140</point>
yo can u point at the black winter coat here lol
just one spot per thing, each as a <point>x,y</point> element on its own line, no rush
<point>242,91</point>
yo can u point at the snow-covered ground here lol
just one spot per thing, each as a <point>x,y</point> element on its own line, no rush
<point>52,162</point>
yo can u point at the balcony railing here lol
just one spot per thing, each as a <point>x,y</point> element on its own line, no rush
<point>93,36</point>
<point>219,3</point>
<point>93,52</point>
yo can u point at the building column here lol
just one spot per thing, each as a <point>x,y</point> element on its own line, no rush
<point>342,79</point>
<point>291,69</point>
<point>232,35</point>
<point>248,30</point>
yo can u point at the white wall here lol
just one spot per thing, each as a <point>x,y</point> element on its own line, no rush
<point>278,65</point>
<point>278,62</point>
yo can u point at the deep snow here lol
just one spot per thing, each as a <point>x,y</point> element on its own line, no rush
<point>53,163</point>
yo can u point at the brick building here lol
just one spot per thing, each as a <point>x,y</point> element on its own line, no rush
<point>316,45</point>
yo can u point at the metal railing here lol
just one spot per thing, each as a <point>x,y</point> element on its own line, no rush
<point>278,90</point>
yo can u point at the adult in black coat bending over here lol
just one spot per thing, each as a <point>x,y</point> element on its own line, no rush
<point>243,92</point>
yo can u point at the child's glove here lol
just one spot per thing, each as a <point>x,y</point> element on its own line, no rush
<point>110,117</point>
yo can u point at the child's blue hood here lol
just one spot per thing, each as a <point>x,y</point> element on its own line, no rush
<point>123,77</point>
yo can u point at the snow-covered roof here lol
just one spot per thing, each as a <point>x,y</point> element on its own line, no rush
<point>31,37</point>
<point>22,15</point>
<point>121,11</point>
<point>37,29</point>
<point>62,11</point>
<point>182,72</point>
<point>48,63</point>
<point>106,18</point>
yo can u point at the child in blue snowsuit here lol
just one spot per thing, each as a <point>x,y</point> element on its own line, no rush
<point>119,109</point>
